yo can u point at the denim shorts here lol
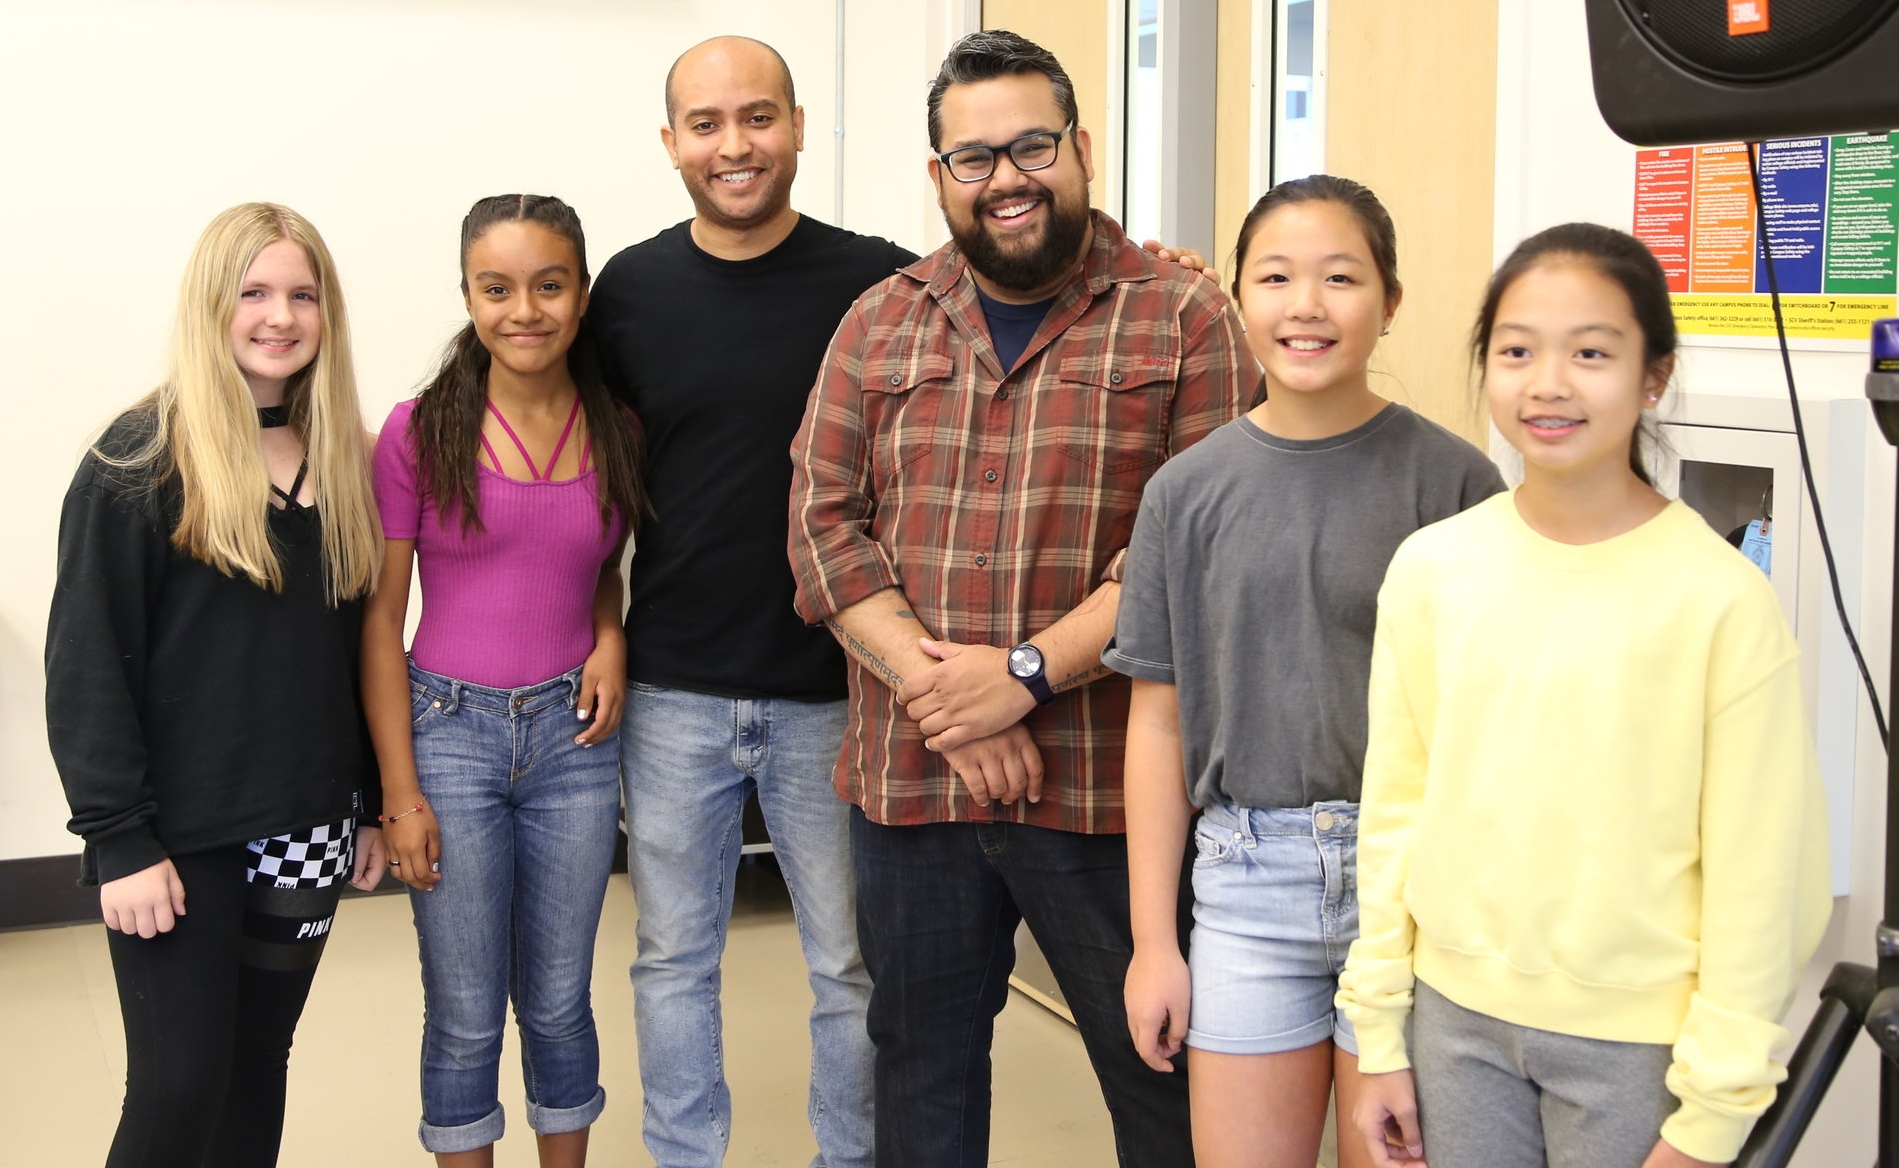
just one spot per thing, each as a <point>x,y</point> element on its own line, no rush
<point>1275,910</point>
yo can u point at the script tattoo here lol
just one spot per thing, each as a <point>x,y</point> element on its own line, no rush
<point>1081,679</point>
<point>862,652</point>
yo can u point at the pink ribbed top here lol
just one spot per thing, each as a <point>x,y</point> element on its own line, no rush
<point>511,605</point>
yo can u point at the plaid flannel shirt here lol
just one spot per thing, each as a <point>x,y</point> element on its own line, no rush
<point>998,502</point>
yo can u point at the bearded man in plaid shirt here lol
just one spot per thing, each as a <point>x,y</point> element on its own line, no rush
<point>965,481</point>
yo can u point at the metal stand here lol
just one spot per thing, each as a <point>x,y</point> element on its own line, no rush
<point>1854,996</point>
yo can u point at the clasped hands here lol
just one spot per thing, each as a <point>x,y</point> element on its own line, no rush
<point>970,711</point>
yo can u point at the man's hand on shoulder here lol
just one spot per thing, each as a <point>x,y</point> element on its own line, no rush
<point>967,695</point>
<point>1186,257</point>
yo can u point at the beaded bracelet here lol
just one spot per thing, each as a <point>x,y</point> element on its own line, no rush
<point>400,814</point>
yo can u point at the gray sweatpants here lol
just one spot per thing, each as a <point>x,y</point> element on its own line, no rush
<point>1494,1095</point>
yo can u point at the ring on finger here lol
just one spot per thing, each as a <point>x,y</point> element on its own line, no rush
<point>395,863</point>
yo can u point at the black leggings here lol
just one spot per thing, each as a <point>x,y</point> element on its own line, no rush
<point>210,1008</point>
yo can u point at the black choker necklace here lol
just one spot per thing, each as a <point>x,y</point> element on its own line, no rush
<point>271,417</point>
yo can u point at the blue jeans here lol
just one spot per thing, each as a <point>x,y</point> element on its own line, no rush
<point>690,759</point>
<point>528,822</point>
<point>937,909</point>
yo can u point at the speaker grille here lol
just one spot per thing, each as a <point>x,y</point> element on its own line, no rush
<point>1805,34</point>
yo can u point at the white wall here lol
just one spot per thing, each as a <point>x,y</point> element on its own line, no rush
<point>134,121</point>
<point>1557,161</point>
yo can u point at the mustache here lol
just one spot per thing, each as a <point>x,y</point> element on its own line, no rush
<point>1028,188</point>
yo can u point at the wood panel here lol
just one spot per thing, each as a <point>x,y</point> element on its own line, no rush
<point>1076,31</point>
<point>1233,130</point>
<point>1411,113</point>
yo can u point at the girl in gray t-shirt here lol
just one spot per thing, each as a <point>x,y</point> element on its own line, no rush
<point>1246,620</point>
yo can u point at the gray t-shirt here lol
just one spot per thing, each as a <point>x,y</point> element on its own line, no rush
<point>1252,583</point>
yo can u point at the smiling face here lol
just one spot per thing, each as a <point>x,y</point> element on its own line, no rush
<point>277,326</point>
<point>1021,232</point>
<point>525,295</point>
<point>1565,371</point>
<point>735,136</point>
<point>1312,299</point>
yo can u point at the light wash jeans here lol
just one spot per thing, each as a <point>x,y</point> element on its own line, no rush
<point>688,761</point>
<point>528,822</point>
<point>1275,912</point>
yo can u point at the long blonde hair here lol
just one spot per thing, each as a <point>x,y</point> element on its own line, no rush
<point>207,421</point>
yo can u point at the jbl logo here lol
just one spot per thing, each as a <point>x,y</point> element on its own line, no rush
<point>1746,16</point>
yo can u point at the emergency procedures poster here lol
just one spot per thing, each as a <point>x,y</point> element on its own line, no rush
<point>1832,207</point>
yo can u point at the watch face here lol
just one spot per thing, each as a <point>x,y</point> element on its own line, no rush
<point>1025,661</point>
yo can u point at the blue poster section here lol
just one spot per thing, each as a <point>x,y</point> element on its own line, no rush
<point>1793,195</point>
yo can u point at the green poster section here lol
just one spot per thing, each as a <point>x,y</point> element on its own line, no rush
<point>1862,239</point>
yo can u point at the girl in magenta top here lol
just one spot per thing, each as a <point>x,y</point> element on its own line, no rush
<point>511,604</point>
<point>510,484</point>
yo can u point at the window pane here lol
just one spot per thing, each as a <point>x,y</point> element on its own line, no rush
<point>1298,121</point>
<point>1143,168</point>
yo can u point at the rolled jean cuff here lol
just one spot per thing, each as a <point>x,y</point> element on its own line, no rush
<point>555,1121</point>
<point>465,1137</point>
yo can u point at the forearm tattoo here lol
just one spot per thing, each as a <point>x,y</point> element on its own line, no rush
<point>864,655</point>
<point>1081,679</point>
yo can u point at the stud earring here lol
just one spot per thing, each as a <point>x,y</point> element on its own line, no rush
<point>1385,332</point>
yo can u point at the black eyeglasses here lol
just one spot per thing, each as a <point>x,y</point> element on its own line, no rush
<point>1029,152</point>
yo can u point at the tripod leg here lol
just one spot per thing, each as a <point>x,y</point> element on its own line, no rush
<point>1810,1072</point>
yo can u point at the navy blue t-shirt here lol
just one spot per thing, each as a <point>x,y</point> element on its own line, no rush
<point>1012,326</point>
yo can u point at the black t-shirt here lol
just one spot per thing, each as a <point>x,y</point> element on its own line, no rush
<point>718,357</point>
<point>1012,326</point>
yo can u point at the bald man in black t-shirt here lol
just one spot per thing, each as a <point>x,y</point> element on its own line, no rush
<point>713,331</point>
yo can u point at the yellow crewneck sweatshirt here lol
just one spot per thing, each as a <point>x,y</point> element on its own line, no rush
<point>1591,804</point>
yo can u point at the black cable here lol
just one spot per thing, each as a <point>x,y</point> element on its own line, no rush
<point>1800,437</point>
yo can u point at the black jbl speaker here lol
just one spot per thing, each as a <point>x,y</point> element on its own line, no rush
<point>1670,72</point>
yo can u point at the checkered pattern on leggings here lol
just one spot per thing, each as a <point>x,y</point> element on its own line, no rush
<point>315,857</point>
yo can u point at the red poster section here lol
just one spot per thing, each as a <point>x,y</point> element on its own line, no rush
<point>1664,203</point>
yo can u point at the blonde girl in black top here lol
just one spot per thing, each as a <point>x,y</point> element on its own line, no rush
<point>201,686</point>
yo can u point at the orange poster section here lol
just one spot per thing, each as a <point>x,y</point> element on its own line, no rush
<point>1721,254</point>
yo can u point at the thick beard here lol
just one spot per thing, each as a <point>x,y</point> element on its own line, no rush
<point>1031,270</point>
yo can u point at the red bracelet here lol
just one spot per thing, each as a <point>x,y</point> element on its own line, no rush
<point>399,814</point>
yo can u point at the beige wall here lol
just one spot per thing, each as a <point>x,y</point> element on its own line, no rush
<point>1077,32</point>
<point>1411,99</point>
<point>1233,129</point>
<point>138,120</point>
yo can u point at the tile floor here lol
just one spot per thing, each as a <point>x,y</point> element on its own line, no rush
<point>353,1076</point>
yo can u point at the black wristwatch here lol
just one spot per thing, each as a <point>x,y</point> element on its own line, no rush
<point>1026,666</point>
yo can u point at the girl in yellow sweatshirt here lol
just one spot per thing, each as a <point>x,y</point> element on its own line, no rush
<point>1592,855</point>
